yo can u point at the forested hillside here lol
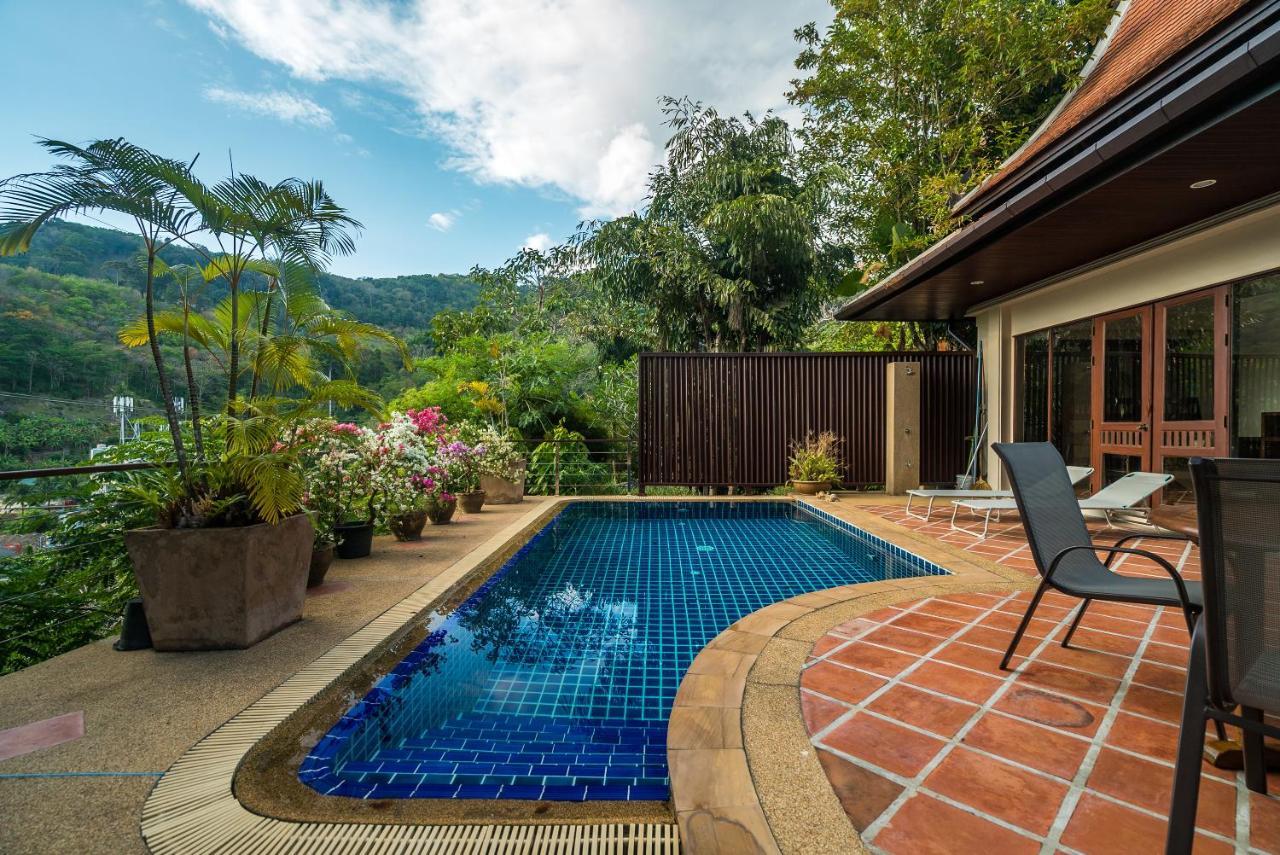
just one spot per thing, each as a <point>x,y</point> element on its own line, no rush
<point>402,303</point>
<point>63,303</point>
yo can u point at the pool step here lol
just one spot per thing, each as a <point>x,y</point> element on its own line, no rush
<point>500,756</point>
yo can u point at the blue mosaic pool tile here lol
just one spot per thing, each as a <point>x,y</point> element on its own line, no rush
<point>554,679</point>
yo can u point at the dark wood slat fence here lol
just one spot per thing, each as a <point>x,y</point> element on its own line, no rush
<point>727,419</point>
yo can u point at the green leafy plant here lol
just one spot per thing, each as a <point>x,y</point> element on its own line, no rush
<point>816,458</point>
<point>284,232</point>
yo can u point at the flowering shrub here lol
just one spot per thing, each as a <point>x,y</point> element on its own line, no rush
<point>429,421</point>
<point>462,465</point>
<point>403,453</point>
<point>336,473</point>
<point>501,458</point>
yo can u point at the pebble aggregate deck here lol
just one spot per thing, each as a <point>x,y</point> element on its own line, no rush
<point>931,748</point>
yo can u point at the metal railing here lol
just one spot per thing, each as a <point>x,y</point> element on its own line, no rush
<point>64,581</point>
<point>557,467</point>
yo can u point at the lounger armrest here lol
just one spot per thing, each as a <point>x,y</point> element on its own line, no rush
<point>1178,583</point>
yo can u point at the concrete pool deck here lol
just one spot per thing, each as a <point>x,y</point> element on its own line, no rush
<point>143,710</point>
<point>750,766</point>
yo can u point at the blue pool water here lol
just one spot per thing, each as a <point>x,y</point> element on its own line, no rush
<point>554,680</point>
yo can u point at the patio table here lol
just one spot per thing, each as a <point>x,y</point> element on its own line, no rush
<point>1179,519</point>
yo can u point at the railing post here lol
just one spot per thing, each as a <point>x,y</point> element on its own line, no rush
<point>557,465</point>
<point>628,466</point>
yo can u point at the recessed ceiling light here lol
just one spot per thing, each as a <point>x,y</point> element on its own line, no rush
<point>1203,183</point>
<point>978,282</point>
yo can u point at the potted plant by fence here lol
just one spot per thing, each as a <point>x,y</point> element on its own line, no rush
<point>336,476</point>
<point>226,563</point>
<point>815,463</point>
<point>502,468</point>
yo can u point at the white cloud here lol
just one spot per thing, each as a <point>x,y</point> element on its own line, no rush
<point>556,94</point>
<point>272,103</point>
<point>540,242</point>
<point>442,221</point>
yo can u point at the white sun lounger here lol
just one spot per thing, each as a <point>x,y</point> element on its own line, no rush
<point>1075,473</point>
<point>1123,496</point>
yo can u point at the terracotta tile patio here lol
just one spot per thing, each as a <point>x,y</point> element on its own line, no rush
<point>931,748</point>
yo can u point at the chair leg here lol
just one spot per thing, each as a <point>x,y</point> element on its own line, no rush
<point>1191,617</point>
<point>1066,640</point>
<point>1255,754</point>
<point>1186,772</point>
<point>1022,627</point>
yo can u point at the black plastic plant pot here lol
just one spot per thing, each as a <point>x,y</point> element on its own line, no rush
<point>355,539</point>
<point>134,632</point>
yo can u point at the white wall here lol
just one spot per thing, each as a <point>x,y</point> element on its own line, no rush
<point>1233,250</point>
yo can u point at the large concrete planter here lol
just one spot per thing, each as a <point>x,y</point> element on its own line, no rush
<point>221,588</point>
<point>504,491</point>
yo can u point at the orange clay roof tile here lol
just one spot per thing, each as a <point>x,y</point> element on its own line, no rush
<point>1149,34</point>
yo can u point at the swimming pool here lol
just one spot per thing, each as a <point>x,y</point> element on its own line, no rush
<point>555,678</point>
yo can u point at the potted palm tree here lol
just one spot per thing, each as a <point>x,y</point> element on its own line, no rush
<point>227,560</point>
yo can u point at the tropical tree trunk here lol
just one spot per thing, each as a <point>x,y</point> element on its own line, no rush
<point>170,412</point>
<point>234,360</point>
<point>263,329</point>
<point>193,393</point>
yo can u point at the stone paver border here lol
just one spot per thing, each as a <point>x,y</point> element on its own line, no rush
<point>744,776</point>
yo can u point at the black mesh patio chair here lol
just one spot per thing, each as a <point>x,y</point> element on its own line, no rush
<point>1235,648</point>
<point>1065,556</point>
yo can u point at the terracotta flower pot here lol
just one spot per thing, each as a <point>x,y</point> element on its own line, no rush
<point>221,588</point>
<point>810,488</point>
<point>442,512</point>
<point>471,502</point>
<point>321,558</point>
<point>408,526</point>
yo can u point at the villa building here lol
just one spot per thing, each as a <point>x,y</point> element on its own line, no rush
<point>1123,266</point>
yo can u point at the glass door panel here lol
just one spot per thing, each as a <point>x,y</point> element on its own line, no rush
<point>1072,392</point>
<point>1255,368</point>
<point>1122,394</point>
<point>1190,407</point>
<point>1033,370</point>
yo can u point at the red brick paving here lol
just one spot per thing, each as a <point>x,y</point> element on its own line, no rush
<point>1073,751</point>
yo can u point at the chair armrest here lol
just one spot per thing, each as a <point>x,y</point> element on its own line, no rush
<point>1114,547</point>
<point>1178,582</point>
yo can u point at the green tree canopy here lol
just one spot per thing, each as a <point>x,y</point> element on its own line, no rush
<point>725,254</point>
<point>910,103</point>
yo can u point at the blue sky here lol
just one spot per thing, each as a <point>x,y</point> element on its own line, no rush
<point>455,130</point>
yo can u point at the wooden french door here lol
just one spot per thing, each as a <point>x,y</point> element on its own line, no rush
<point>1192,356</point>
<point>1122,359</point>
<point>1160,397</point>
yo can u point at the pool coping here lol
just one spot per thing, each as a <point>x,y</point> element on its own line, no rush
<point>194,808</point>
<point>744,775</point>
